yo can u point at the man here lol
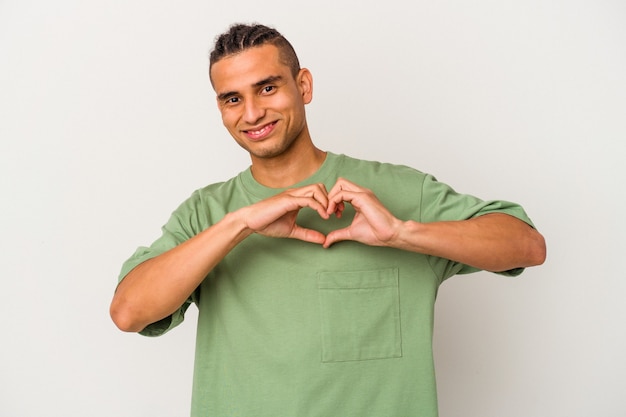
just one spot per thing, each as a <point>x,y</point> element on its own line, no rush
<point>315,274</point>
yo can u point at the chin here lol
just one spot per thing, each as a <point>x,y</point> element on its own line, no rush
<point>270,151</point>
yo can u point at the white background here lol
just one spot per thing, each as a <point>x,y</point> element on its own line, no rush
<point>107,122</point>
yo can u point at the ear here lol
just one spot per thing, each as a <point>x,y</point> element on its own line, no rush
<point>305,85</point>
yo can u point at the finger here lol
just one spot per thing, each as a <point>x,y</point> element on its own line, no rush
<point>316,191</point>
<point>336,201</point>
<point>344,184</point>
<point>339,193</point>
<point>308,190</point>
<point>297,203</point>
<point>321,194</point>
<point>338,209</point>
<point>317,206</point>
<point>337,236</point>
<point>307,235</point>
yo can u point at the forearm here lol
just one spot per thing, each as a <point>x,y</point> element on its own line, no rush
<point>159,286</point>
<point>493,242</point>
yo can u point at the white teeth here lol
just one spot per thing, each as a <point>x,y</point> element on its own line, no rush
<point>260,131</point>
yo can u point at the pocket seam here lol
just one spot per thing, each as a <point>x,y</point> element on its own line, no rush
<point>352,329</point>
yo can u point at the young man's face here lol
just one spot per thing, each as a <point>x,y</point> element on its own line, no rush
<point>262,105</point>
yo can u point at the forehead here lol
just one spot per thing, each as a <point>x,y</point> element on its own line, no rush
<point>246,68</point>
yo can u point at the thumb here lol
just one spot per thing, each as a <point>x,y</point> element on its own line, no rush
<point>307,235</point>
<point>337,236</point>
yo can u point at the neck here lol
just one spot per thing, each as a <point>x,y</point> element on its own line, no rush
<point>294,165</point>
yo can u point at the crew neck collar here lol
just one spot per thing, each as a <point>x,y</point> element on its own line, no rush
<point>324,172</point>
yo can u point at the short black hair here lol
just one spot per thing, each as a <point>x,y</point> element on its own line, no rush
<point>241,37</point>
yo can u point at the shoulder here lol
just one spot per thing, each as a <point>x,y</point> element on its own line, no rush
<point>211,200</point>
<point>378,175</point>
<point>378,167</point>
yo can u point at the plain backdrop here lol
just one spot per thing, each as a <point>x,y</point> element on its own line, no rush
<point>108,122</point>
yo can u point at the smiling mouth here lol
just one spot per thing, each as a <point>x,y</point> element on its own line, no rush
<point>260,133</point>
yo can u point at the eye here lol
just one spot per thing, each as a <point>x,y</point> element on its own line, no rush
<point>268,89</point>
<point>230,101</point>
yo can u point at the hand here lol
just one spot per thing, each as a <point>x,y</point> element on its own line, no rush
<point>276,216</point>
<point>372,225</point>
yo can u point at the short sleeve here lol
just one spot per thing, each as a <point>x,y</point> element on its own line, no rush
<point>440,202</point>
<point>184,223</point>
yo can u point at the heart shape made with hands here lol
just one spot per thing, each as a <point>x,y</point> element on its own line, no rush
<point>372,224</point>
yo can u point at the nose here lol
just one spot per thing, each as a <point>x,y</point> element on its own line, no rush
<point>253,111</point>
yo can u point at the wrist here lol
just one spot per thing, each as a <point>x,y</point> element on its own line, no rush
<point>408,235</point>
<point>235,222</point>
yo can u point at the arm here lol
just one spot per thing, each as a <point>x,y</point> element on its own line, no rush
<point>159,286</point>
<point>493,242</point>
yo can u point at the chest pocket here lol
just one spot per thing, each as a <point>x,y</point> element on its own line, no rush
<point>360,315</point>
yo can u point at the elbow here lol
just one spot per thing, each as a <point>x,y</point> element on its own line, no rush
<point>537,251</point>
<point>123,318</point>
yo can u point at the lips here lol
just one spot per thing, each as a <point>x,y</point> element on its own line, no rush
<point>260,133</point>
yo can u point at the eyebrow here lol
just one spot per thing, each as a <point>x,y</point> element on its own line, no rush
<point>269,80</point>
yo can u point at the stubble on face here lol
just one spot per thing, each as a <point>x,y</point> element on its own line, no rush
<point>244,76</point>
